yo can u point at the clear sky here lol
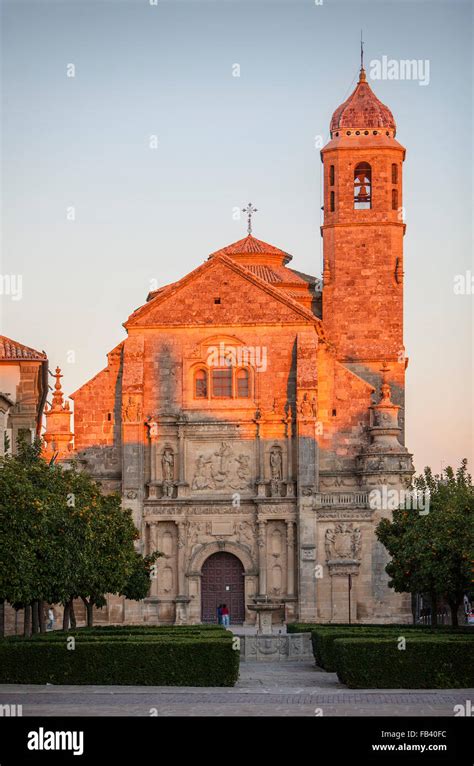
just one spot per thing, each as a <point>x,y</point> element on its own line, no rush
<point>145,216</point>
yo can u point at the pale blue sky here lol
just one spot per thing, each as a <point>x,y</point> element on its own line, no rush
<point>144,214</point>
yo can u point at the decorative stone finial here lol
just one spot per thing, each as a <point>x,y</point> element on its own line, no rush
<point>385,390</point>
<point>58,394</point>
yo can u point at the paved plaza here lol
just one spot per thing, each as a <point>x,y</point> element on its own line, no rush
<point>264,689</point>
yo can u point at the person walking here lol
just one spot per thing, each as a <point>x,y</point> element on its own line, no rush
<point>225,616</point>
<point>50,625</point>
<point>219,614</point>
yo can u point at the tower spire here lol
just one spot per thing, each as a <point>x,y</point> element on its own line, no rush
<point>362,76</point>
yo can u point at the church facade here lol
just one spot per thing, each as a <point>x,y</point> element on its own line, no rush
<point>254,413</point>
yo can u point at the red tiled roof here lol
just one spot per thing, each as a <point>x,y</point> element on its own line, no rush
<point>253,245</point>
<point>362,110</point>
<point>11,349</point>
<point>264,272</point>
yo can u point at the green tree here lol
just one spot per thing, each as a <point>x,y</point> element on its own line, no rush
<point>61,539</point>
<point>138,584</point>
<point>433,552</point>
<point>27,493</point>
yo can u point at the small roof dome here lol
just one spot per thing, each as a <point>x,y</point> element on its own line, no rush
<point>362,110</point>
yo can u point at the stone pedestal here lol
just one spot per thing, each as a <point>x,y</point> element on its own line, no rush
<point>264,616</point>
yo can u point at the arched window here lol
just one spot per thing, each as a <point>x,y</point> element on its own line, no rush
<point>394,199</point>
<point>331,175</point>
<point>394,173</point>
<point>332,203</point>
<point>242,384</point>
<point>222,383</point>
<point>200,384</point>
<point>362,186</point>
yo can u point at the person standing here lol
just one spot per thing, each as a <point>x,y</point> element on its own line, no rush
<point>219,614</point>
<point>225,616</point>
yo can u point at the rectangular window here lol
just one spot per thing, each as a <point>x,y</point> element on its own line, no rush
<point>331,175</point>
<point>394,173</point>
<point>222,383</point>
<point>332,203</point>
<point>242,384</point>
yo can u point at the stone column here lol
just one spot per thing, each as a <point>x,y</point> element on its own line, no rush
<point>153,434</point>
<point>289,450</point>
<point>262,558</point>
<point>181,551</point>
<point>153,542</point>
<point>181,469</point>
<point>290,558</point>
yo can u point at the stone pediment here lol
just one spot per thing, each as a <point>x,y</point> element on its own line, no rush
<point>220,292</point>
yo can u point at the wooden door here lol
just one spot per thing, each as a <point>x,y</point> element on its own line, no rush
<point>222,582</point>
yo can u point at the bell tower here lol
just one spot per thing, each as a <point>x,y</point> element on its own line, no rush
<point>363,234</point>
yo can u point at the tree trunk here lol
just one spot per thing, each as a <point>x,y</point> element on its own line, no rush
<point>2,617</point>
<point>34,617</point>
<point>72,614</point>
<point>27,621</point>
<point>42,624</point>
<point>434,610</point>
<point>454,607</point>
<point>89,609</point>
<point>66,615</point>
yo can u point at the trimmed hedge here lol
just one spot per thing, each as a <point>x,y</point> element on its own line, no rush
<point>124,633</point>
<point>167,661</point>
<point>431,662</point>
<point>324,637</point>
<point>93,635</point>
<point>308,627</point>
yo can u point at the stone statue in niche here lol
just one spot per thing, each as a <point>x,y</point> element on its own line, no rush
<point>276,464</point>
<point>343,542</point>
<point>167,464</point>
<point>329,540</point>
<point>131,410</point>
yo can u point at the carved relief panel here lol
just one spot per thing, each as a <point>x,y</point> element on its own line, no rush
<point>276,557</point>
<point>226,466</point>
<point>163,537</point>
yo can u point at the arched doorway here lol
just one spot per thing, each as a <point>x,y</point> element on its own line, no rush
<point>222,582</point>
